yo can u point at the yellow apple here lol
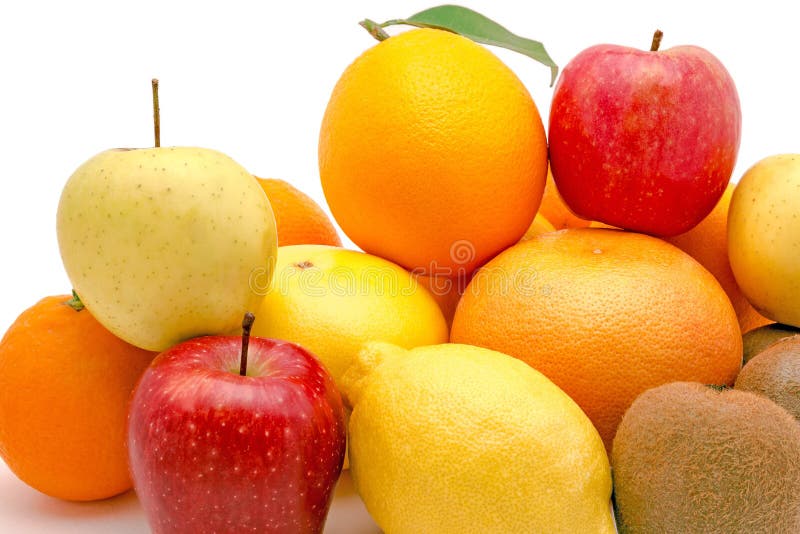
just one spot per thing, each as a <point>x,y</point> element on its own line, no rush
<point>764,237</point>
<point>164,244</point>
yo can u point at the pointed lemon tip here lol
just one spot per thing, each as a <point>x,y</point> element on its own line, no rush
<point>369,357</point>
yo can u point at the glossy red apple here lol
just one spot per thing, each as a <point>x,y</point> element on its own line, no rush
<point>211,450</point>
<point>644,140</point>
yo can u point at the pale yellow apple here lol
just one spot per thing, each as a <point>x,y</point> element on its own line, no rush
<point>764,237</point>
<point>164,244</point>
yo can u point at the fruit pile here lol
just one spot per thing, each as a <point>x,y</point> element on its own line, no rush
<point>531,310</point>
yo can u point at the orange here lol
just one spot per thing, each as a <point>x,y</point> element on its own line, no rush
<point>64,387</point>
<point>604,314</point>
<point>540,225</point>
<point>446,291</point>
<point>708,243</point>
<point>432,153</point>
<point>598,224</point>
<point>555,210</point>
<point>300,220</point>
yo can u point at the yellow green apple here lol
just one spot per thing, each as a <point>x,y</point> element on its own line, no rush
<point>764,237</point>
<point>166,243</point>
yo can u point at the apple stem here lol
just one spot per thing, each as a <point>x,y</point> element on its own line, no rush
<point>156,113</point>
<point>247,325</point>
<point>656,40</point>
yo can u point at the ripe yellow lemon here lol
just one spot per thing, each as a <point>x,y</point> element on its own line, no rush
<point>332,300</point>
<point>456,438</point>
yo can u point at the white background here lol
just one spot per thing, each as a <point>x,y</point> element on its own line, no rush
<point>252,79</point>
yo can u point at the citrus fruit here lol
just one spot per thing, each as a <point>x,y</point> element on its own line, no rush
<point>331,300</point>
<point>690,459</point>
<point>64,387</point>
<point>708,243</point>
<point>456,438</point>
<point>755,341</point>
<point>605,314</point>
<point>775,373</point>
<point>430,144</point>
<point>445,290</point>
<point>764,237</point>
<point>540,225</point>
<point>298,218</point>
<point>555,210</point>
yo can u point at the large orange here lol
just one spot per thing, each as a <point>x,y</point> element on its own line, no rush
<point>604,314</point>
<point>64,388</point>
<point>708,243</point>
<point>432,153</point>
<point>299,220</point>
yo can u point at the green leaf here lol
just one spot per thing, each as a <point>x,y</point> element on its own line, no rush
<point>470,24</point>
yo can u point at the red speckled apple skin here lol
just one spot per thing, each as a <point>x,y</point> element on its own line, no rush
<point>213,451</point>
<point>641,140</point>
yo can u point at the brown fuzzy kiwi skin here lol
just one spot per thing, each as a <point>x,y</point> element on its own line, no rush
<point>758,339</point>
<point>691,459</point>
<point>775,373</point>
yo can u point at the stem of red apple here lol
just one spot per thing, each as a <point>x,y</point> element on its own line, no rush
<point>247,325</point>
<point>656,40</point>
<point>156,113</point>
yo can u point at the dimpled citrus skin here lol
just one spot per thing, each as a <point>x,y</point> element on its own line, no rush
<point>298,218</point>
<point>429,140</point>
<point>540,225</point>
<point>332,300</point>
<point>446,291</point>
<point>555,210</point>
<point>455,438</point>
<point>708,243</point>
<point>64,388</point>
<point>605,314</point>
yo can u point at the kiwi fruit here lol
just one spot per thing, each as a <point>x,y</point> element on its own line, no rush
<point>758,339</point>
<point>775,373</point>
<point>688,458</point>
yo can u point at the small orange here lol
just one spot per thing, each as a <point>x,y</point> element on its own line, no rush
<point>605,314</point>
<point>708,243</point>
<point>431,146</point>
<point>65,382</point>
<point>540,225</point>
<point>555,210</point>
<point>445,290</point>
<point>300,220</point>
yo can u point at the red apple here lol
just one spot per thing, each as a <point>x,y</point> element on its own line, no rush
<point>644,140</point>
<point>211,450</point>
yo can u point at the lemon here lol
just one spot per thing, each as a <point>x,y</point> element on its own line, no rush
<point>332,300</point>
<point>455,439</point>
